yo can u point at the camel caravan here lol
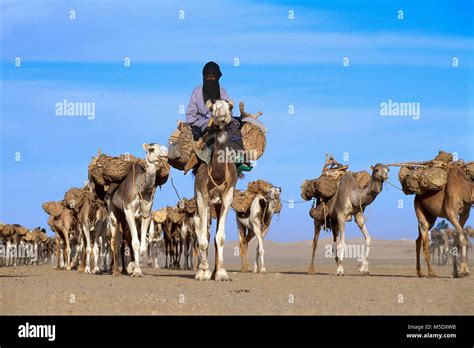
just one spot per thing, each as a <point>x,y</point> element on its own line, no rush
<point>21,246</point>
<point>442,188</point>
<point>109,225</point>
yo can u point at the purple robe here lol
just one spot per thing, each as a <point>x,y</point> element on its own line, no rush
<point>197,113</point>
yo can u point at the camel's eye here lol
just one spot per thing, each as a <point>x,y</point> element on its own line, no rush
<point>151,149</point>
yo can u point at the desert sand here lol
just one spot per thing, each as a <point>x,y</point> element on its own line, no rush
<point>391,288</point>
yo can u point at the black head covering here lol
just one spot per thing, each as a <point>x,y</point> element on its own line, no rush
<point>211,89</point>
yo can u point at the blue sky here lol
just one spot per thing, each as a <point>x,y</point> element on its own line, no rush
<point>282,62</point>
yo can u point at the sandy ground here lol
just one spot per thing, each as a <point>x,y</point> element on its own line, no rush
<point>392,287</point>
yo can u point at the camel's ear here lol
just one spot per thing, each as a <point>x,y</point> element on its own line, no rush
<point>145,147</point>
<point>209,104</point>
<point>231,103</point>
<point>372,167</point>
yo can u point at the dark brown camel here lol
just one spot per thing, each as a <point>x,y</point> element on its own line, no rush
<point>452,202</point>
<point>214,185</point>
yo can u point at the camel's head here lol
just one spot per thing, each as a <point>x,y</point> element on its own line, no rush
<point>274,192</point>
<point>155,152</point>
<point>181,204</point>
<point>221,112</point>
<point>380,172</point>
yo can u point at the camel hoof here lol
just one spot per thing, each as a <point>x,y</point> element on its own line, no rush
<point>203,274</point>
<point>137,273</point>
<point>263,271</point>
<point>130,268</point>
<point>432,275</point>
<point>221,275</point>
<point>340,273</point>
<point>311,271</point>
<point>96,271</point>
<point>87,270</point>
<point>116,274</point>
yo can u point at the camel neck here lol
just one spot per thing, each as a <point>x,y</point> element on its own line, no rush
<point>150,174</point>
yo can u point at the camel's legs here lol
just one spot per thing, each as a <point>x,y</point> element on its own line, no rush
<point>221,273</point>
<point>425,223</point>
<point>243,245</point>
<point>130,217</point>
<point>459,225</point>
<point>58,253</point>
<point>68,251</point>
<point>114,243</point>
<point>317,230</point>
<point>359,218</point>
<point>145,225</point>
<point>96,252</point>
<point>87,235</point>
<point>340,243</point>
<point>203,272</point>
<point>259,258</point>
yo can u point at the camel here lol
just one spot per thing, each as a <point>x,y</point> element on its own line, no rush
<point>256,222</point>
<point>188,238</point>
<point>214,184</point>
<point>133,198</point>
<point>155,243</point>
<point>64,225</point>
<point>172,240</point>
<point>349,200</point>
<point>453,202</point>
<point>92,218</point>
<point>439,244</point>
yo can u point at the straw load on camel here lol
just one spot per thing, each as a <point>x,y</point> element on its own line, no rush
<point>255,208</point>
<point>443,188</point>
<point>182,146</point>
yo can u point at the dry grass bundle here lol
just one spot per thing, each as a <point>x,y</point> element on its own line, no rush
<point>159,216</point>
<point>242,201</point>
<point>421,180</point>
<point>181,142</point>
<point>308,190</point>
<point>259,186</point>
<point>54,209</point>
<point>254,140</point>
<point>433,179</point>
<point>469,169</point>
<point>324,187</point>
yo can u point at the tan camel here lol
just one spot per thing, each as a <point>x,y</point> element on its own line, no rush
<point>214,185</point>
<point>64,225</point>
<point>452,202</point>
<point>132,199</point>
<point>350,200</point>
<point>92,218</point>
